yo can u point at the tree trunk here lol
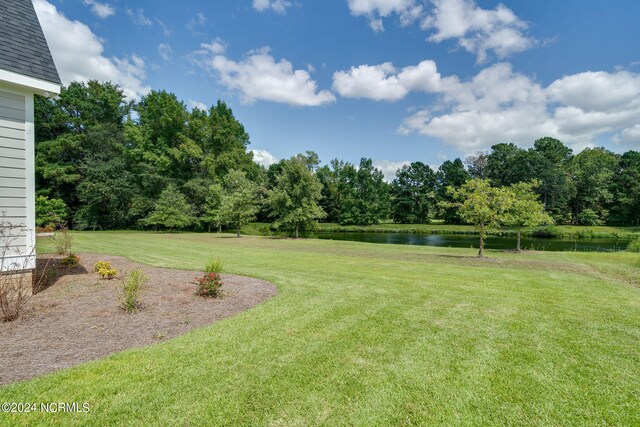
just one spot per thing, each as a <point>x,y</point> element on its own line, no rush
<point>296,231</point>
<point>481,240</point>
<point>518,245</point>
<point>238,231</point>
<point>220,228</point>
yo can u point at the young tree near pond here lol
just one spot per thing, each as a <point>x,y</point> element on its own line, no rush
<point>238,205</point>
<point>212,204</point>
<point>482,205</point>
<point>171,210</point>
<point>294,200</point>
<point>525,210</point>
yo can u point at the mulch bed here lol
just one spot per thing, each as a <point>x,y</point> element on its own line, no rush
<point>75,317</point>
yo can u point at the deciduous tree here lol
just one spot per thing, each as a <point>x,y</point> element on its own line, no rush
<point>482,205</point>
<point>294,200</point>
<point>238,205</point>
<point>525,209</point>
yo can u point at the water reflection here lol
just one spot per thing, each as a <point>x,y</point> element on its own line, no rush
<point>470,241</point>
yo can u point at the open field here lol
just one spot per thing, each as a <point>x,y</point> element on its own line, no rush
<point>372,334</point>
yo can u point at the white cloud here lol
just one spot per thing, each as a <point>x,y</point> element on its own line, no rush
<point>217,46</point>
<point>101,10</point>
<point>479,31</point>
<point>138,17</point>
<point>385,82</point>
<point>598,91</point>
<point>264,158</point>
<point>78,53</point>
<point>199,105</point>
<point>278,6</point>
<point>389,168</point>
<point>165,51</point>
<point>375,10</point>
<point>500,105</point>
<point>260,77</point>
<point>629,136</point>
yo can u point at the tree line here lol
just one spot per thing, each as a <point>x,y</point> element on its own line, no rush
<point>103,162</point>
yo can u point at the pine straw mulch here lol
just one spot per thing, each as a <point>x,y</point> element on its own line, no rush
<point>75,317</point>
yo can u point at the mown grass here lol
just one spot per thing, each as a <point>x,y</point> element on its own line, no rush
<point>372,334</point>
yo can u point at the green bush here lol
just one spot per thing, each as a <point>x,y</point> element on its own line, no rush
<point>70,261</point>
<point>589,217</point>
<point>214,266</point>
<point>634,246</point>
<point>133,285</point>
<point>265,230</point>
<point>549,231</point>
<point>209,285</point>
<point>50,211</point>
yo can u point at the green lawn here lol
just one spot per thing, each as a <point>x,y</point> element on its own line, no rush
<point>371,334</point>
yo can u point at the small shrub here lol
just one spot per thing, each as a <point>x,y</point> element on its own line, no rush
<point>634,246</point>
<point>108,273</point>
<point>63,241</point>
<point>209,285</point>
<point>214,266</point>
<point>70,261</point>
<point>100,265</point>
<point>133,285</point>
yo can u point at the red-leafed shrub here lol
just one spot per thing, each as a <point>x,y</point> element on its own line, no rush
<point>209,285</point>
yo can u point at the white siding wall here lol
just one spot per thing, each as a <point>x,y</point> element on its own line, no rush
<point>17,211</point>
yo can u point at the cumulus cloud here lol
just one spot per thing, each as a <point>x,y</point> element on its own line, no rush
<point>501,105</point>
<point>375,10</point>
<point>78,53</point>
<point>264,158</point>
<point>101,10</point>
<point>385,82</point>
<point>278,6</point>
<point>629,136</point>
<point>479,31</point>
<point>260,77</point>
<point>389,168</point>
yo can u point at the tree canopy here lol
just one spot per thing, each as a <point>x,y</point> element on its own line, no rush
<point>105,162</point>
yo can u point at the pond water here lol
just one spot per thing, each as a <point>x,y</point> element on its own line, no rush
<point>468,241</point>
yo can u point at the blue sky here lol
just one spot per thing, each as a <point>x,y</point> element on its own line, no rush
<point>394,80</point>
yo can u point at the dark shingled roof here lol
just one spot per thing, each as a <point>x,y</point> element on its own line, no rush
<point>23,48</point>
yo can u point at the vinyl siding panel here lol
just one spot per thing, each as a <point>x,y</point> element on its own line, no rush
<point>13,177</point>
<point>16,152</point>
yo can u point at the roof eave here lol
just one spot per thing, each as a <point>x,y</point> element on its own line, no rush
<point>41,87</point>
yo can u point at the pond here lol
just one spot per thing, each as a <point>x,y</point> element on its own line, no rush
<point>492,242</point>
